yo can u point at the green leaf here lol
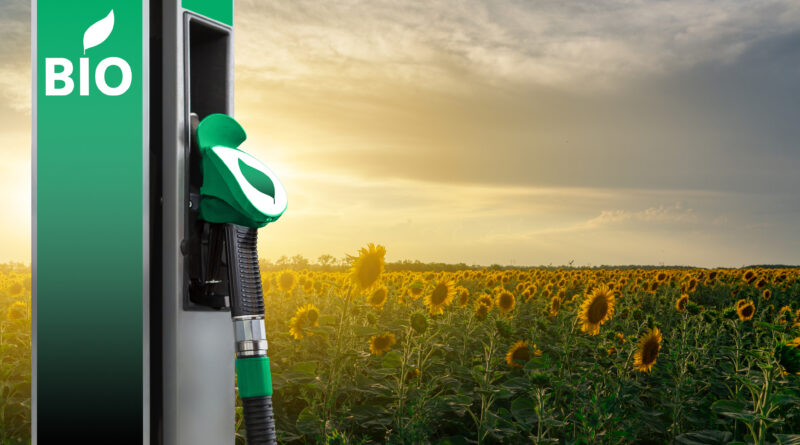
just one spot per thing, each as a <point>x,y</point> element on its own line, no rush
<point>305,368</point>
<point>365,331</point>
<point>524,410</point>
<point>392,359</point>
<point>327,320</point>
<point>325,331</point>
<point>308,423</point>
<point>788,439</point>
<point>705,437</point>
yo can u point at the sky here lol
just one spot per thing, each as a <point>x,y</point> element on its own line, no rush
<point>509,132</point>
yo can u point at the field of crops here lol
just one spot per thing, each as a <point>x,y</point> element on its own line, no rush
<point>15,354</point>
<point>549,355</point>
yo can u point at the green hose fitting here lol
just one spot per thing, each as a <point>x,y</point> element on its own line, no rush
<point>253,376</point>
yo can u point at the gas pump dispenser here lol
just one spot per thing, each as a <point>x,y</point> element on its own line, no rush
<point>145,219</point>
<point>239,194</point>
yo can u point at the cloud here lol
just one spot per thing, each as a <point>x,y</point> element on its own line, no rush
<point>576,44</point>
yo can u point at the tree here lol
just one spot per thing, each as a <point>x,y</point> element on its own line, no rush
<point>326,261</point>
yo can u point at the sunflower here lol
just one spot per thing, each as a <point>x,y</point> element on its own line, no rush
<point>308,285</point>
<point>415,290</point>
<point>481,311</point>
<point>419,322</point>
<point>17,311</point>
<point>661,277</point>
<point>14,288</point>
<point>555,305</point>
<point>767,294</point>
<point>649,345</point>
<point>785,314</point>
<point>745,310</point>
<point>367,267</point>
<point>441,296</point>
<point>788,355</point>
<point>749,276</point>
<point>378,297</point>
<point>520,352</point>
<point>378,344</point>
<point>680,304</point>
<point>413,374</point>
<point>485,300</point>
<point>266,285</point>
<point>462,293</point>
<point>597,308</point>
<point>306,317</point>
<point>287,280</point>
<point>506,302</point>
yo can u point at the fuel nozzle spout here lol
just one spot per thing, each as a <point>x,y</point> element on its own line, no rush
<point>242,194</point>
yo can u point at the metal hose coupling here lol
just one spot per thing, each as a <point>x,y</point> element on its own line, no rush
<point>250,336</point>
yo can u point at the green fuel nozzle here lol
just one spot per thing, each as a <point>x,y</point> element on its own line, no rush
<point>240,194</point>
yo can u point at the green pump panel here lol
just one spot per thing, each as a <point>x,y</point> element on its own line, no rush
<point>91,216</point>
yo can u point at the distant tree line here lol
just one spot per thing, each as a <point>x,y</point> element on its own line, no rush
<point>330,263</point>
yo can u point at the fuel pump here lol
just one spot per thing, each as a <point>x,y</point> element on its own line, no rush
<point>239,194</point>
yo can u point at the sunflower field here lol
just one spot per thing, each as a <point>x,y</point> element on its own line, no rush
<point>489,356</point>
<point>569,355</point>
<point>15,354</point>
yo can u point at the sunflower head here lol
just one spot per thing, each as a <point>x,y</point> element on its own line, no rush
<point>785,315</point>
<point>419,322</point>
<point>745,310</point>
<point>485,300</point>
<point>306,317</point>
<point>788,355</point>
<point>481,311</point>
<point>287,280</point>
<point>378,297</point>
<point>645,356</point>
<point>440,297</point>
<point>767,294</point>
<point>367,267</point>
<point>413,374</point>
<point>506,302</point>
<point>14,288</point>
<point>378,344</point>
<point>681,302</point>
<point>415,290</point>
<point>17,311</point>
<point>520,352</point>
<point>462,296</point>
<point>555,305</point>
<point>597,308</point>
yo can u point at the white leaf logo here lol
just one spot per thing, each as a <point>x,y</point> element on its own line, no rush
<point>99,32</point>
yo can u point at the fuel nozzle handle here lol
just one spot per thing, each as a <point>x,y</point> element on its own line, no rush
<point>243,194</point>
<point>247,311</point>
